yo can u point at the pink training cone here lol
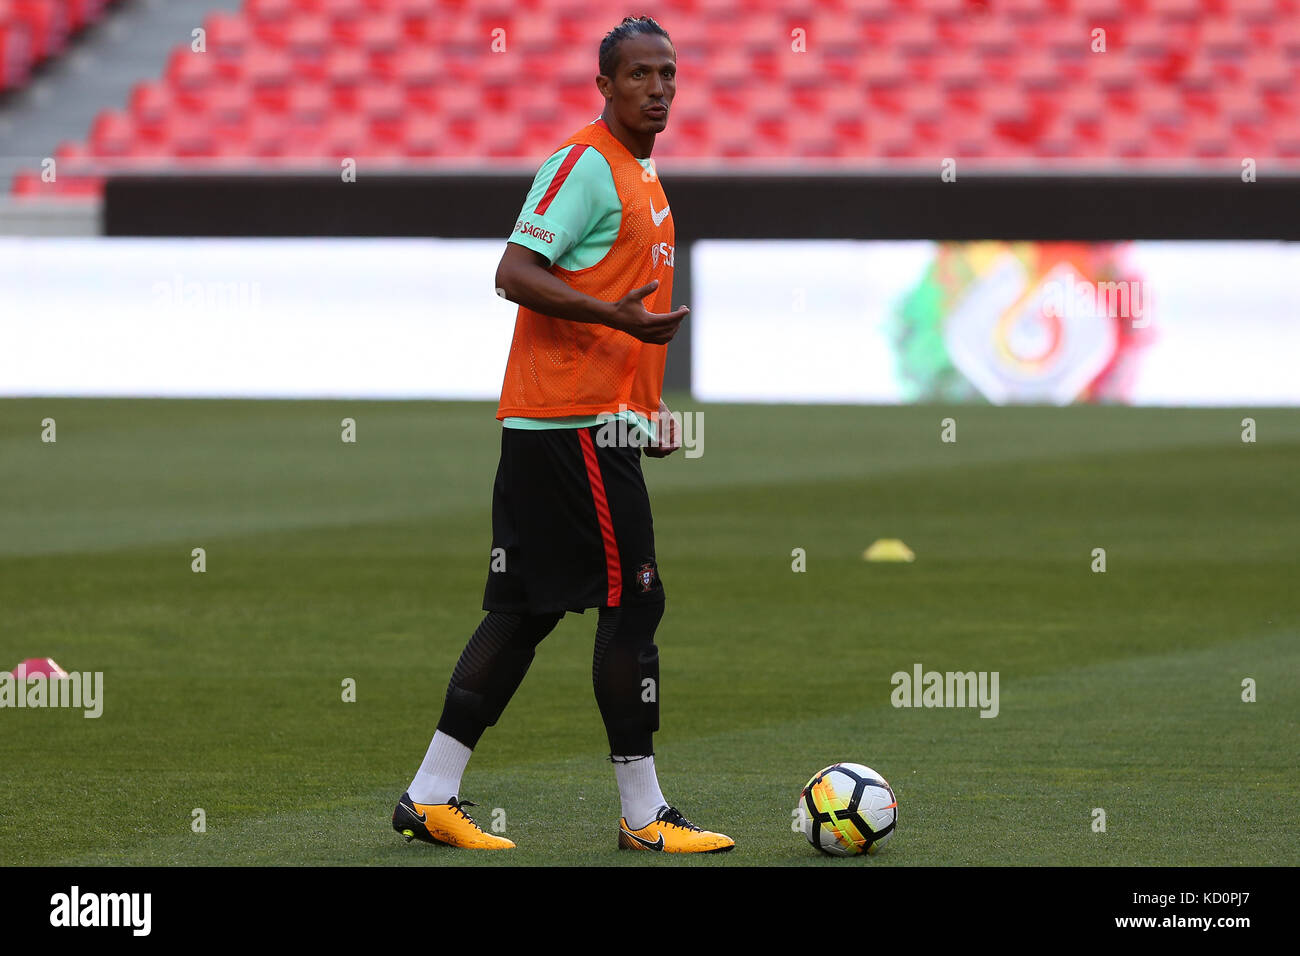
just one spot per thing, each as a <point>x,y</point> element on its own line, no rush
<point>34,666</point>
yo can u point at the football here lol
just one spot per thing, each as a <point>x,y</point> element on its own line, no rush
<point>848,809</point>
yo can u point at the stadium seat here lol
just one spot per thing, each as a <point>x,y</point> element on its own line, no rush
<point>189,75</point>
<point>113,134</point>
<point>1275,72</point>
<point>32,31</point>
<point>269,73</point>
<point>308,103</point>
<point>82,12</point>
<point>191,135</point>
<point>309,37</point>
<point>226,35</point>
<point>47,23</point>
<point>346,135</point>
<point>881,79</point>
<point>150,105</point>
<point>1177,10</point>
<point>415,68</point>
<point>1224,37</point>
<point>15,53</point>
<point>265,135</point>
<point>422,134</point>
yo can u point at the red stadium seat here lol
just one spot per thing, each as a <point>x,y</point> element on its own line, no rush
<point>15,52</point>
<point>190,75</point>
<point>1286,35</point>
<point>416,66</point>
<point>150,101</point>
<point>1207,138</point>
<point>882,79</point>
<point>528,32</point>
<point>1057,138</point>
<point>267,135</point>
<point>422,134</point>
<point>499,136</point>
<point>381,33</point>
<point>960,70</point>
<point>460,102</point>
<point>380,101</point>
<point>1181,10</point>
<point>1160,104</point>
<point>1275,72</point>
<point>1259,11</point>
<point>1113,72</point>
<point>1286,135</point>
<point>191,135</point>
<point>346,66</point>
<point>228,104</point>
<point>150,104</point>
<point>82,12</point>
<point>47,23</point>
<point>1224,37</point>
<point>422,27</point>
<point>914,36</point>
<point>28,183</point>
<point>269,20</point>
<point>1083,103</point>
<point>1198,72</point>
<point>71,153</point>
<point>501,70</point>
<point>885,68</point>
<point>892,136</point>
<point>1241,104</point>
<point>835,31</point>
<point>113,134</point>
<point>923,103</point>
<point>269,73</point>
<point>258,10</point>
<point>308,37</point>
<point>1126,136</point>
<point>227,34</point>
<point>308,103</point>
<point>346,135</point>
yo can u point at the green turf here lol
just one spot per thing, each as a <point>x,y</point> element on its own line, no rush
<point>328,561</point>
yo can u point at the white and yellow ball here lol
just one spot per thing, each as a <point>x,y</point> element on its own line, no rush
<point>848,809</point>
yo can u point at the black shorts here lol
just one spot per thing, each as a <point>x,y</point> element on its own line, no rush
<point>572,522</point>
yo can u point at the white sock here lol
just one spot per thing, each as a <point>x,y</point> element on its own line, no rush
<point>439,777</point>
<point>638,789</point>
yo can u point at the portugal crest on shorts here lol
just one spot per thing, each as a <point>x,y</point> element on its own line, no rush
<point>646,575</point>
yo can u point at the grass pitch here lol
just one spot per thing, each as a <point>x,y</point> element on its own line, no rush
<point>326,561</point>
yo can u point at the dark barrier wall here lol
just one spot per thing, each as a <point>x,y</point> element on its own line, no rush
<point>813,206</point>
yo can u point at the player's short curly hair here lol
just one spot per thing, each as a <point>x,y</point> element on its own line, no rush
<point>631,26</point>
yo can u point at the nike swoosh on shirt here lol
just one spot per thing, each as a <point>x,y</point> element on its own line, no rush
<point>659,844</point>
<point>658,217</point>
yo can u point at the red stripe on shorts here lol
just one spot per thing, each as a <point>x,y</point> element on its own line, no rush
<point>613,568</point>
<point>558,179</point>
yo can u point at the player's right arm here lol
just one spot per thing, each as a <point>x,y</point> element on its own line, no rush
<point>573,201</point>
<point>523,277</point>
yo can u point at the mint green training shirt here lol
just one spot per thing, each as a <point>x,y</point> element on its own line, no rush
<point>583,216</point>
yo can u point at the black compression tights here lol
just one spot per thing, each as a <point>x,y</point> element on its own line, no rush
<point>494,662</point>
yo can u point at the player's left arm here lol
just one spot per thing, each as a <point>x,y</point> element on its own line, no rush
<point>670,438</point>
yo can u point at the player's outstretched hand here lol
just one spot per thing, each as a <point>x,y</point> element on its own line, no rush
<point>670,438</point>
<point>630,316</point>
